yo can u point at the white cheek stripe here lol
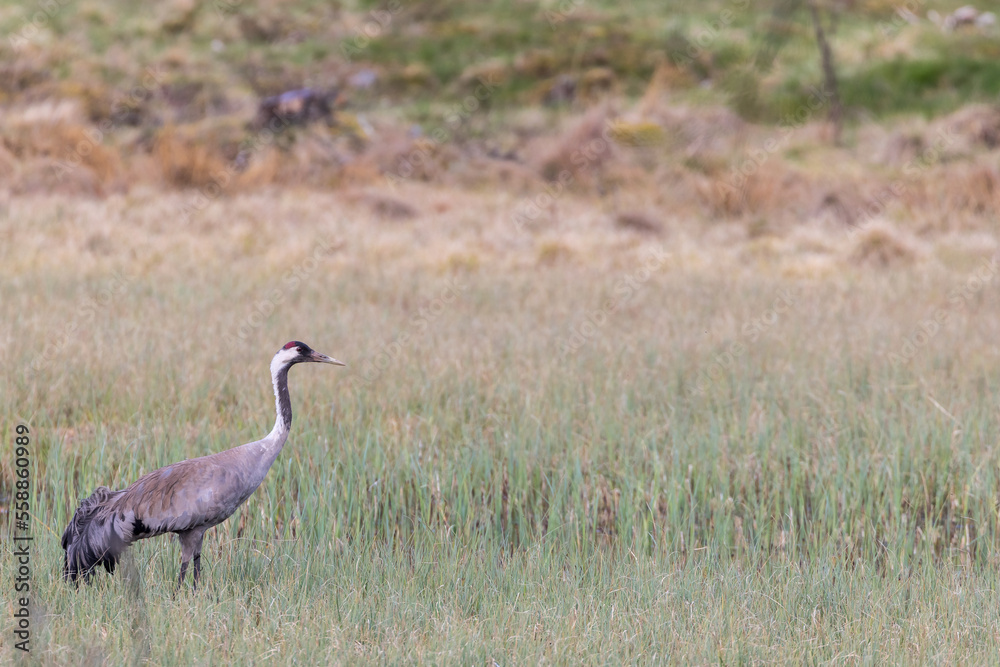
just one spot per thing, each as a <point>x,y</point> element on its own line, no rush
<point>282,358</point>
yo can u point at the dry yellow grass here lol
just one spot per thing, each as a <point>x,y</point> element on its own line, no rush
<point>435,229</point>
<point>606,417</point>
<point>700,165</point>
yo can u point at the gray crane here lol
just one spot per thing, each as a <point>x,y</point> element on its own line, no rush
<point>186,498</point>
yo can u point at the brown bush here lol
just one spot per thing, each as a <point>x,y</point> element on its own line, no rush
<point>972,188</point>
<point>881,246</point>
<point>186,162</point>
<point>954,197</point>
<point>771,188</point>
<point>977,125</point>
<point>58,150</point>
<point>581,150</point>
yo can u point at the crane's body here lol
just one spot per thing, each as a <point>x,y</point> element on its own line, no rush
<point>187,497</point>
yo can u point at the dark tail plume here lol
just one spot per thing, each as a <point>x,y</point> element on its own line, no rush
<point>92,538</point>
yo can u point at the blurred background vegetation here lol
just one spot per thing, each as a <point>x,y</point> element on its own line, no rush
<point>181,83</point>
<point>530,474</point>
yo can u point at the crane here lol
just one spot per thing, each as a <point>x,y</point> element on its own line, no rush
<point>186,498</point>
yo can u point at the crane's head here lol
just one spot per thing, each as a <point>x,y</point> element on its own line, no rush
<point>297,352</point>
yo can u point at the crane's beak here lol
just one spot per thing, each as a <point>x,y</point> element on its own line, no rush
<point>323,359</point>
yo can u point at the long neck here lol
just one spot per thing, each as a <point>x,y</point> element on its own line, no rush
<point>261,454</point>
<point>275,440</point>
<point>282,402</point>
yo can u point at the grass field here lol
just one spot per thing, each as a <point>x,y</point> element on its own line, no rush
<point>643,367</point>
<point>627,456</point>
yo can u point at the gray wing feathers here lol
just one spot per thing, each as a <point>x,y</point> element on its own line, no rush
<point>91,539</point>
<point>183,496</point>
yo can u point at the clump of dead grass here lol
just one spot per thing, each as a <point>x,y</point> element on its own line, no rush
<point>706,132</point>
<point>972,188</point>
<point>50,147</point>
<point>582,149</point>
<point>553,251</point>
<point>186,159</point>
<point>388,207</point>
<point>879,245</point>
<point>976,126</point>
<point>399,156</point>
<point>767,188</point>
<point>639,221</point>
<point>959,196</point>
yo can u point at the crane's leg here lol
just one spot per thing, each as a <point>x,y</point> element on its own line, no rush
<point>197,569</point>
<point>185,556</point>
<point>197,557</point>
<point>191,549</point>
